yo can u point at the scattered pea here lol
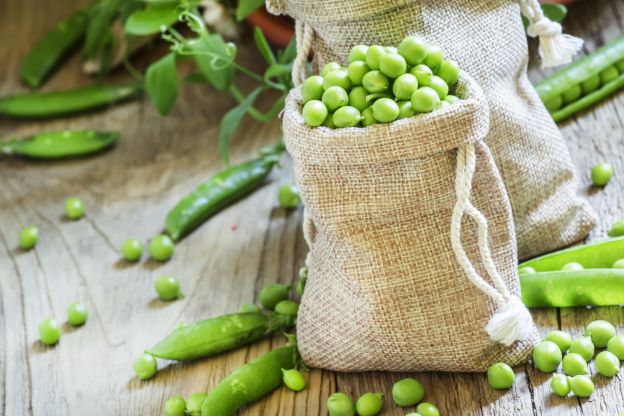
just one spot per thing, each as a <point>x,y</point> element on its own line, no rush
<point>572,267</point>
<point>145,366</point>
<point>346,116</point>
<point>77,314</point>
<point>600,332</point>
<point>500,376</point>
<point>560,385</point>
<point>287,307</point>
<point>175,406</point>
<point>616,346</point>
<point>607,364</point>
<point>167,287</point>
<point>294,380</point>
<point>273,294</point>
<point>29,237</point>
<point>161,247</point>
<point>288,196</point>
<point>407,392</point>
<point>601,174</point>
<point>339,404</point>
<point>617,229</point>
<point>358,53</point>
<point>546,356</point>
<point>427,409</point>
<point>561,338</point>
<point>369,404</point>
<point>49,331</point>
<point>582,386</point>
<point>314,113</point>
<point>250,308</point>
<point>312,88</point>
<point>582,346</point>
<point>74,208</point>
<point>132,249</point>
<point>574,364</point>
<point>526,270</point>
<point>194,404</point>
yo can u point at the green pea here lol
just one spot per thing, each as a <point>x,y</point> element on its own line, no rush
<point>29,237</point>
<point>601,174</point>
<point>427,409</point>
<point>145,366</point>
<point>407,392</point>
<point>272,294</point>
<point>616,346</point>
<point>337,78</point>
<point>391,49</point>
<point>449,71</point>
<point>452,99</point>
<point>374,55</point>
<point>590,84</point>
<point>571,94</point>
<point>560,385</point>
<point>413,49</point>
<point>561,338</point>
<point>339,404</point>
<point>312,88</point>
<point>600,332</point>
<point>375,81</point>
<point>358,53</point>
<point>194,404</point>
<point>49,331</point>
<point>167,287</point>
<point>132,249</point>
<point>434,58</point>
<point>357,98</point>
<point>329,122</point>
<point>572,267</point>
<point>404,86</point>
<point>582,346</point>
<point>175,406</point>
<point>329,67</point>
<point>526,270</point>
<point>392,65</point>
<point>574,364</point>
<point>582,386</point>
<point>385,110</point>
<point>546,356</point>
<point>161,247</point>
<point>250,308</point>
<point>423,74</point>
<point>439,86</point>
<point>74,208</point>
<point>369,404</point>
<point>609,74</point>
<point>77,314</point>
<point>617,229</point>
<point>347,116</point>
<point>554,104</point>
<point>356,71</point>
<point>405,109</point>
<point>442,104</point>
<point>294,380</point>
<point>618,264</point>
<point>287,307</point>
<point>424,100</point>
<point>288,196</point>
<point>367,117</point>
<point>334,98</point>
<point>607,364</point>
<point>500,376</point>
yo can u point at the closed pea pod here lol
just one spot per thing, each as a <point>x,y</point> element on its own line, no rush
<point>273,294</point>
<point>60,144</point>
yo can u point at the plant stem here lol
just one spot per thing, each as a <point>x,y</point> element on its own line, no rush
<point>254,112</point>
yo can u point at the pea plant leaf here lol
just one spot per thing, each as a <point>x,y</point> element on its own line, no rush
<point>277,70</point>
<point>553,11</point>
<point>230,122</point>
<point>161,83</point>
<point>247,7</point>
<point>149,20</point>
<point>214,60</point>
<point>263,46</point>
<point>288,54</point>
<point>101,18</point>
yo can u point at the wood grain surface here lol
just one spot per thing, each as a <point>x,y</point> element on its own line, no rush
<point>128,191</point>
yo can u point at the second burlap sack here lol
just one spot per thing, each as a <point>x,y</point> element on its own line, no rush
<point>489,42</point>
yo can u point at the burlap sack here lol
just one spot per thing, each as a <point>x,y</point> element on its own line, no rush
<point>390,286</point>
<point>489,42</point>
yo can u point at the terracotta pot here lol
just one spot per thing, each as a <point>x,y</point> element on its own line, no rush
<point>278,30</point>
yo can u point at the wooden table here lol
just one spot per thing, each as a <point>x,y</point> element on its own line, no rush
<point>128,192</point>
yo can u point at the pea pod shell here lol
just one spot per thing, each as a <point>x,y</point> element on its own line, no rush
<point>561,289</point>
<point>211,197</point>
<point>213,336</point>
<point>50,50</point>
<point>58,103</point>
<point>60,144</point>
<point>250,382</point>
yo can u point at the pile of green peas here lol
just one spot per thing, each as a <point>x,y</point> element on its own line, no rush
<point>380,85</point>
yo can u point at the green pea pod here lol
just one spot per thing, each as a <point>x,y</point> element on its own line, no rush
<point>60,144</point>
<point>212,336</point>
<point>58,103</point>
<point>45,56</point>
<point>561,289</point>
<point>220,191</point>
<point>599,255</point>
<point>250,382</point>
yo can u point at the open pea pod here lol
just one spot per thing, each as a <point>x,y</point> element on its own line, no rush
<point>60,144</point>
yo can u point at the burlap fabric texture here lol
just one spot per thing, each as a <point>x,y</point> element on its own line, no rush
<point>489,42</point>
<point>400,220</point>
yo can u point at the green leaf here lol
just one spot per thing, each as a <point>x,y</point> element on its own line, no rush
<point>195,78</point>
<point>150,20</point>
<point>247,7</point>
<point>288,54</point>
<point>553,11</point>
<point>277,70</point>
<point>214,60</point>
<point>230,122</point>
<point>161,83</point>
<point>263,46</point>
<point>101,18</point>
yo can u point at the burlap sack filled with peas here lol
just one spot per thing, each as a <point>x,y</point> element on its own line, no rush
<point>397,268</point>
<point>489,42</point>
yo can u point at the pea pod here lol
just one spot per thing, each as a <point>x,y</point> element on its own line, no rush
<point>60,144</point>
<point>220,191</point>
<point>45,56</point>
<point>560,289</point>
<point>58,103</point>
<point>584,82</point>
<point>212,336</point>
<point>250,382</point>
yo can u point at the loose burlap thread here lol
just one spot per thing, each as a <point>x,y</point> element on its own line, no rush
<point>489,42</point>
